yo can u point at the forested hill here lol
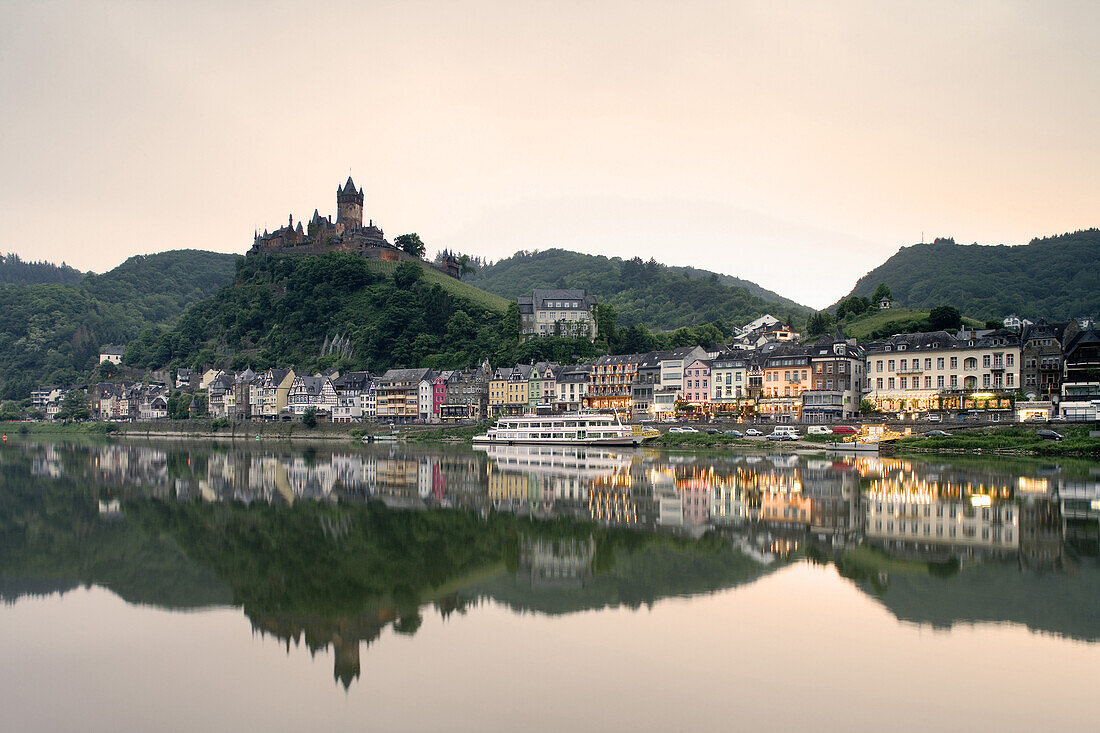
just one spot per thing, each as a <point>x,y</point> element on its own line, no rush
<point>659,296</point>
<point>1055,277</point>
<point>15,271</point>
<point>51,333</point>
<point>284,311</point>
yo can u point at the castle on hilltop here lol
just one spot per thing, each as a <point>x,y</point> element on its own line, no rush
<point>346,234</point>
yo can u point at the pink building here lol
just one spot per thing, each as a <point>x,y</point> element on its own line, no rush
<point>439,395</point>
<point>697,382</point>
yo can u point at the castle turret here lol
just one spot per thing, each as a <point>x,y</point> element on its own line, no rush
<point>349,205</point>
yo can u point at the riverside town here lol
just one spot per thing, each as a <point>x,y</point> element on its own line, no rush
<point>1024,371</point>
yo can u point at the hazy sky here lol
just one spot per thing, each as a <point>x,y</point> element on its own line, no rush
<point>793,144</point>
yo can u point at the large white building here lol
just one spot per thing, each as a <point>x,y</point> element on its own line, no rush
<point>928,372</point>
<point>566,313</point>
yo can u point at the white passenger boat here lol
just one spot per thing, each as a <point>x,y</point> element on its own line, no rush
<point>568,429</point>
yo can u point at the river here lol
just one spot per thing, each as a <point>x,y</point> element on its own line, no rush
<point>268,586</point>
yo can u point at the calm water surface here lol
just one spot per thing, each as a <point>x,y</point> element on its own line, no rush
<point>156,586</point>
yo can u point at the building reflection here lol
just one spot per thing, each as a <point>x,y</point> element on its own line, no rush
<point>769,506</point>
<point>910,508</point>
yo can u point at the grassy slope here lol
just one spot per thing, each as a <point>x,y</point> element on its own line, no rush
<point>862,327</point>
<point>455,287</point>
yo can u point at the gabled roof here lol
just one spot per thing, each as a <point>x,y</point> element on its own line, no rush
<point>539,297</point>
<point>352,381</point>
<point>311,385</point>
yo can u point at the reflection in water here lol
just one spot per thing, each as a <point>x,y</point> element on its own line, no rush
<point>310,545</point>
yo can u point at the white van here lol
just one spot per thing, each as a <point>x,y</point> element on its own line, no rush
<point>784,432</point>
<point>819,430</point>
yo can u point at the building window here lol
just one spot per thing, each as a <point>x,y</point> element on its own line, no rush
<point>954,381</point>
<point>939,363</point>
<point>878,383</point>
<point>890,383</point>
<point>890,364</point>
<point>954,362</point>
<point>927,363</point>
<point>904,382</point>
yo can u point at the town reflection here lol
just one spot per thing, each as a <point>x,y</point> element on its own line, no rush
<point>309,544</point>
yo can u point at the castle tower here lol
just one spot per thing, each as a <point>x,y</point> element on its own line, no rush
<point>349,205</point>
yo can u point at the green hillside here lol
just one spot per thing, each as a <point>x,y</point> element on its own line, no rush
<point>649,293</point>
<point>1056,278</point>
<point>280,311</point>
<point>51,332</point>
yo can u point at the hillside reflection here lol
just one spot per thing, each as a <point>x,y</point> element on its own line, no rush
<point>330,547</point>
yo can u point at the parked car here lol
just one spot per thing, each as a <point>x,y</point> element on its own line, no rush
<point>844,430</point>
<point>938,434</point>
<point>1059,418</point>
<point>1049,435</point>
<point>818,430</point>
<point>713,431</point>
<point>685,429</point>
<point>735,433</point>
<point>780,436</point>
<point>934,418</point>
<point>669,420</point>
<point>753,433</point>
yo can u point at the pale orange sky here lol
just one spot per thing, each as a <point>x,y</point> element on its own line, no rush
<point>797,145</point>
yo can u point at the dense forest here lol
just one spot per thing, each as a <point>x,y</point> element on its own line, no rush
<point>1055,277</point>
<point>51,332</point>
<point>15,271</point>
<point>283,311</point>
<point>649,293</point>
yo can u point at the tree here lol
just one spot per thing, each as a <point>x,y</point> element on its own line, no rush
<point>74,406</point>
<point>406,274</point>
<point>464,266</point>
<point>411,243</point>
<point>9,411</point>
<point>309,418</point>
<point>108,370</point>
<point>944,317</point>
<point>819,323</point>
<point>867,407</point>
<point>606,320</point>
<point>853,306</point>
<point>882,291</point>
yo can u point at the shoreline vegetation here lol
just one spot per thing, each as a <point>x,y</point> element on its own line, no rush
<point>1006,440</point>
